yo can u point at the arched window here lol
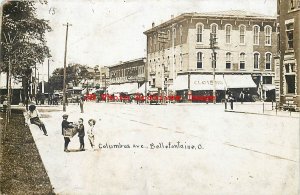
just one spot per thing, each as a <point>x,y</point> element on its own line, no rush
<point>268,61</point>
<point>214,29</point>
<point>154,42</point>
<point>180,33</point>
<point>242,61</point>
<point>150,44</point>
<point>199,60</point>
<point>256,61</point>
<point>228,33</point>
<point>169,38</point>
<point>242,34</point>
<point>228,60</point>
<point>180,61</point>
<point>268,31</point>
<point>199,28</point>
<point>214,60</point>
<point>256,35</point>
<point>174,36</point>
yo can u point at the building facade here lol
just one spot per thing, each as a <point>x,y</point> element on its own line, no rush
<point>289,53</point>
<point>180,55</point>
<point>127,77</point>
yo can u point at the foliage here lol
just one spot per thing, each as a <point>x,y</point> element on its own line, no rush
<point>22,37</point>
<point>74,74</point>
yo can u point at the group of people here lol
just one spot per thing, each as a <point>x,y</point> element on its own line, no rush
<point>33,117</point>
<point>65,125</point>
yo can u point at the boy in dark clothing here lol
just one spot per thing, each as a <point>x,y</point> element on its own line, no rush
<point>64,125</point>
<point>81,134</point>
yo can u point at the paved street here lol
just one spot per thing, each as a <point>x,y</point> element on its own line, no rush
<point>232,153</point>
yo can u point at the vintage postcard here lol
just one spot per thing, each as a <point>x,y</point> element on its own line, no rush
<point>149,97</point>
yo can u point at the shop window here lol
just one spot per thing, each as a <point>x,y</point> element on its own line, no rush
<point>267,80</point>
<point>242,61</point>
<point>199,59</point>
<point>228,60</point>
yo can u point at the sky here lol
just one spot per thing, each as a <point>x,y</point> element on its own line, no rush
<point>105,32</point>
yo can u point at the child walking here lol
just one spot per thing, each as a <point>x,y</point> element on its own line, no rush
<point>81,134</point>
<point>90,132</point>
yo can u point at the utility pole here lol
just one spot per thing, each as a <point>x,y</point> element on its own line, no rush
<point>213,56</point>
<point>65,68</point>
<point>162,40</point>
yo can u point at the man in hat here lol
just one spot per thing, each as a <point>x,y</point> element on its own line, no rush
<point>64,125</point>
<point>34,117</point>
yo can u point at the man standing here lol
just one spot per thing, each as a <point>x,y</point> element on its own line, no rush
<point>81,104</point>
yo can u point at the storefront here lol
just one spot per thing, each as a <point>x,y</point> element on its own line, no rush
<point>202,85</point>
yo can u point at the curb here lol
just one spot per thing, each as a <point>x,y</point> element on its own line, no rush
<point>243,112</point>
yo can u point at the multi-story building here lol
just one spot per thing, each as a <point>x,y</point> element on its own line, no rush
<point>179,53</point>
<point>127,77</point>
<point>104,77</point>
<point>289,53</point>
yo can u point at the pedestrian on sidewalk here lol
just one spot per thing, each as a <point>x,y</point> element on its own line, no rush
<point>90,132</point>
<point>65,125</point>
<point>231,99</point>
<point>81,102</point>
<point>242,96</point>
<point>81,134</point>
<point>34,116</point>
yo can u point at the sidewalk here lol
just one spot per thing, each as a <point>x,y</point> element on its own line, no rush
<point>260,108</point>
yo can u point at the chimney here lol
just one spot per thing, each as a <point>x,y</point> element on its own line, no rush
<point>153,24</point>
<point>172,16</point>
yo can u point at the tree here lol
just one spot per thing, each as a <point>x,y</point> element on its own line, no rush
<point>23,40</point>
<point>74,74</point>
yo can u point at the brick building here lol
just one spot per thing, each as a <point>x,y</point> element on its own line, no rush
<point>179,55</point>
<point>127,77</point>
<point>288,78</point>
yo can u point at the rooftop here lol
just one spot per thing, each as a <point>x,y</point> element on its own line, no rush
<point>220,14</point>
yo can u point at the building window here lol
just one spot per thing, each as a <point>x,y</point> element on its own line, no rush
<point>268,31</point>
<point>180,33</point>
<point>256,61</point>
<point>242,34</point>
<point>228,33</point>
<point>268,61</point>
<point>242,61</point>
<point>154,43</point>
<point>199,60</point>
<point>290,35</point>
<point>290,84</point>
<point>150,47</point>
<point>228,60</point>
<point>199,33</point>
<point>256,35</point>
<point>214,28</point>
<point>169,38</point>
<point>214,60</point>
<point>174,33</point>
<point>292,4</point>
<point>181,61</point>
